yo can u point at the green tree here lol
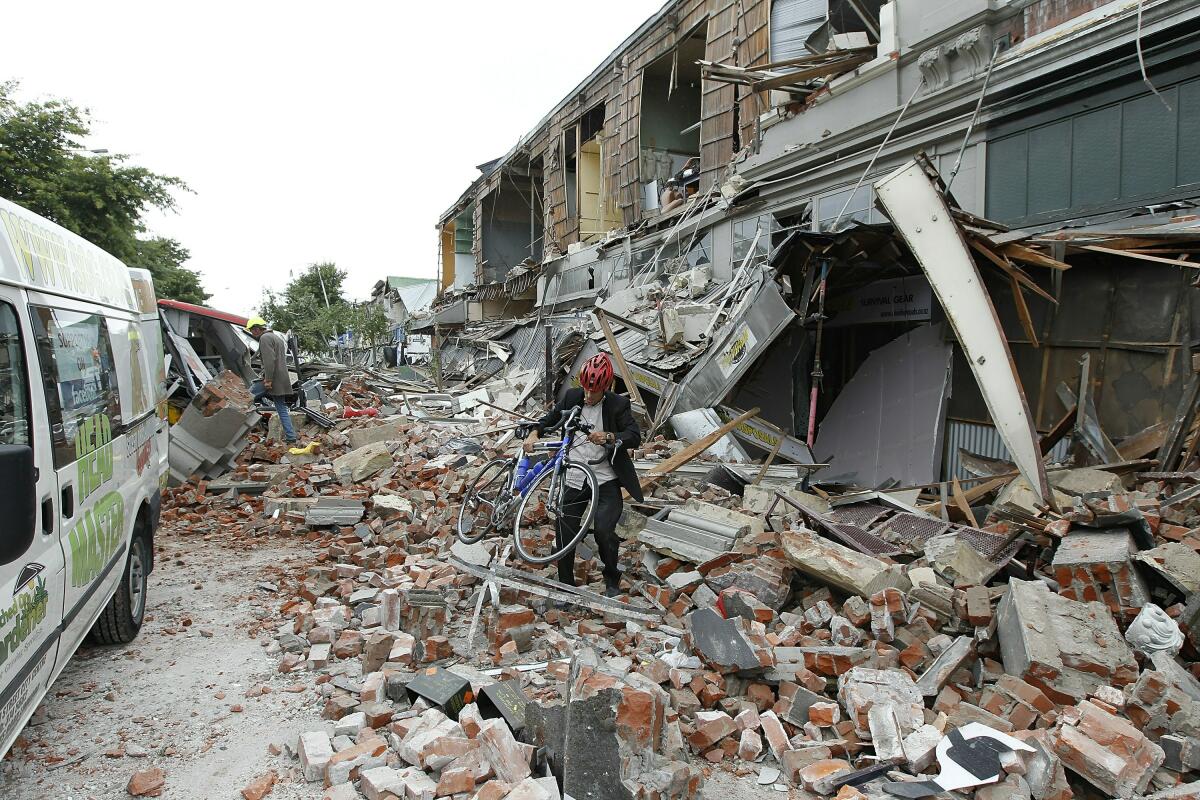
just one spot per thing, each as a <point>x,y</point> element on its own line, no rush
<point>100,197</point>
<point>369,322</point>
<point>312,306</point>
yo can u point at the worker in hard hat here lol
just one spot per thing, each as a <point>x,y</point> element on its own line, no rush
<point>275,381</point>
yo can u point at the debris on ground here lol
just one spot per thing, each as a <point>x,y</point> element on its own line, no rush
<point>836,643</point>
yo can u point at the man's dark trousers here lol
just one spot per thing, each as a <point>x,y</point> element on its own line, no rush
<point>604,526</point>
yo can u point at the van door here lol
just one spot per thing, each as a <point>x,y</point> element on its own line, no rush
<point>79,382</point>
<point>32,583</point>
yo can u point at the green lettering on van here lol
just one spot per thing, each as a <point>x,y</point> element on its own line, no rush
<point>95,537</point>
<point>94,454</point>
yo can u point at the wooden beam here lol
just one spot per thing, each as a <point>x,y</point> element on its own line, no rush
<point>1060,429</point>
<point>1010,269</point>
<point>1140,256</point>
<point>1144,442</point>
<point>694,449</point>
<point>972,494</point>
<point>960,500</point>
<point>1023,310</point>
<point>770,457</point>
<point>1020,252</point>
<point>626,375</point>
<point>820,71</point>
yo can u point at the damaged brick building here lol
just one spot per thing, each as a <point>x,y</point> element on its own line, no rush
<point>1070,126</point>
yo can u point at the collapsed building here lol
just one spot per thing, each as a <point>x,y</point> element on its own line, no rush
<point>1064,134</point>
<point>910,336</point>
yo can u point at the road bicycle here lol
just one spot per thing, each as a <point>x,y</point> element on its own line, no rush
<point>531,495</point>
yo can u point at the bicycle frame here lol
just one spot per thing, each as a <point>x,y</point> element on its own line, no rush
<point>561,450</point>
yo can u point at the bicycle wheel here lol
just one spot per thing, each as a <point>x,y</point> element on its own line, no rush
<point>545,504</point>
<point>477,516</point>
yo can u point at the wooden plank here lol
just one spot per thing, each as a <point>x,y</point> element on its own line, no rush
<point>963,504</point>
<point>770,457</point>
<point>809,74</point>
<point>694,449</point>
<point>626,375</point>
<point>1140,256</point>
<point>1020,252</point>
<point>1008,268</point>
<point>1060,429</point>
<point>970,495</point>
<point>1144,442</point>
<point>1023,310</point>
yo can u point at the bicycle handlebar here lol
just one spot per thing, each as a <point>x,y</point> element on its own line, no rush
<point>571,423</point>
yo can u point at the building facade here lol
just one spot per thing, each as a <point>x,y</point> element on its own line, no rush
<point>777,118</point>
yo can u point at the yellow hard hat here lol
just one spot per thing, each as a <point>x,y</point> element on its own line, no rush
<point>255,322</point>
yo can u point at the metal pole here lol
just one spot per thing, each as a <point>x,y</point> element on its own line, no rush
<point>548,384</point>
<point>817,373</point>
<point>882,145</point>
<point>974,118</point>
<point>435,354</point>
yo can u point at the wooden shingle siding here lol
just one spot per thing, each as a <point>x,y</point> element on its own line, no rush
<point>620,88</point>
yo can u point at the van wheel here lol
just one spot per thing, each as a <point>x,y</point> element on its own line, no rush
<point>121,619</point>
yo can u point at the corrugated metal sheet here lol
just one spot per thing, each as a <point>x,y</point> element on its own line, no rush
<point>982,440</point>
<point>528,342</point>
<point>792,22</point>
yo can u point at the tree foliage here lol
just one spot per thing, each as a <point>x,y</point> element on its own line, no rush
<point>102,198</point>
<point>312,306</point>
<point>370,323</point>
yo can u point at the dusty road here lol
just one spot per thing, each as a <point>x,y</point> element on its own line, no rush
<point>176,697</point>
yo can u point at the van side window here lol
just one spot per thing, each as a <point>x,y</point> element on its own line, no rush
<point>80,381</point>
<point>14,380</point>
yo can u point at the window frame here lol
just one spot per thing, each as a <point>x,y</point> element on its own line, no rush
<point>63,448</point>
<point>21,348</point>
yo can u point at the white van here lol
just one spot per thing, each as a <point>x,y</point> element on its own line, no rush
<point>83,453</point>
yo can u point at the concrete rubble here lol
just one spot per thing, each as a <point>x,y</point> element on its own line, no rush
<point>778,653</point>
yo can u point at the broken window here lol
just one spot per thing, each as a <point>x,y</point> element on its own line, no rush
<point>512,219</point>
<point>641,258</point>
<point>700,253</point>
<point>861,208</point>
<point>570,146</point>
<point>670,120</point>
<point>764,226</point>
<point>621,267</point>
<point>464,239</point>
<point>588,201</point>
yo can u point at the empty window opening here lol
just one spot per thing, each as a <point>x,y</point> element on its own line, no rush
<point>588,198</point>
<point>464,240</point>
<point>512,220</point>
<point>670,122</point>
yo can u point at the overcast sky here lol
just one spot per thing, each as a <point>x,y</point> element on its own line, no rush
<point>310,131</point>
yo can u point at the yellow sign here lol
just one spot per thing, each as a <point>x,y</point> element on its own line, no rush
<point>736,350</point>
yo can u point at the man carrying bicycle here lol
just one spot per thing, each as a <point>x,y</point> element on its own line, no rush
<point>614,432</point>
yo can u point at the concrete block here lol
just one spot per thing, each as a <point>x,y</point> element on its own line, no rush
<point>314,750</point>
<point>1065,648</point>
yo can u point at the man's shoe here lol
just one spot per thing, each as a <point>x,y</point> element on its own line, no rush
<point>612,590</point>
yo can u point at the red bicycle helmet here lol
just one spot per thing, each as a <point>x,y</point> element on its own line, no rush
<point>597,373</point>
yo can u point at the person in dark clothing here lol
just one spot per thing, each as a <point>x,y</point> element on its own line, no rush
<point>613,426</point>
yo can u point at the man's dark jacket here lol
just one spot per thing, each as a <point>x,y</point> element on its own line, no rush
<point>618,420</point>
